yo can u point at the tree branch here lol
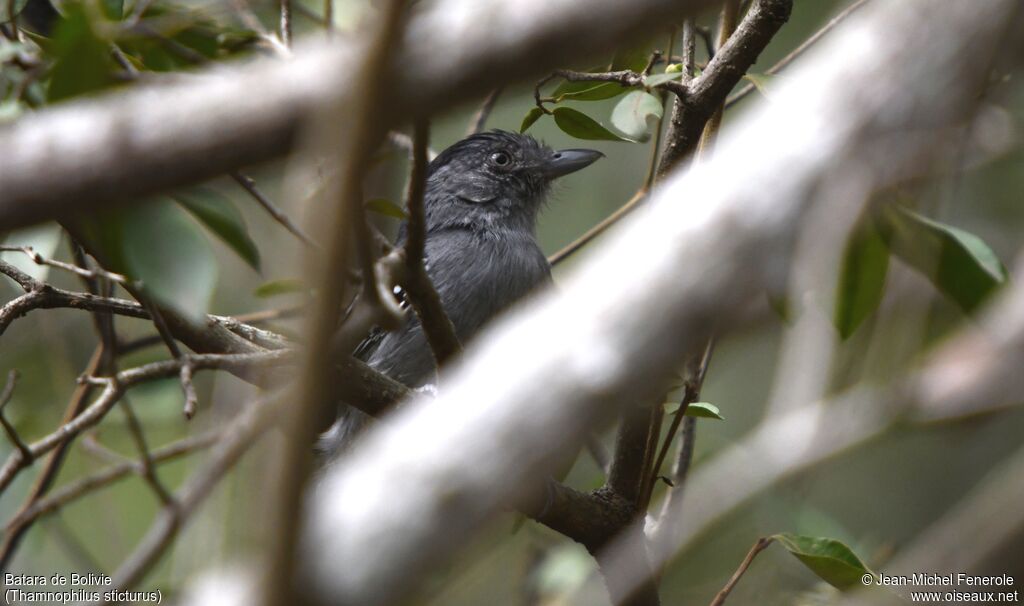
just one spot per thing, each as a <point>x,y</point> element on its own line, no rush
<point>153,137</point>
<point>709,90</point>
<point>758,547</point>
<point>278,215</point>
<point>437,327</point>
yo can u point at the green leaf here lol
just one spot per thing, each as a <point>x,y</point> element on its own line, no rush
<point>579,125</point>
<point>275,288</point>
<point>157,244</point>
<point>656,79</point>
<point>531,116</point>
<point>861,279</point>
<point>83,62</point>
<point>675,68</point>
<point>220,215</point>
<point>960,264</point>
<point>4,14</point>
<point>704,410</point>
<point>760,81</point>
<point>587,91</point>
<point>832,561</point>
<point>386,208</point>
<point>632,113</point>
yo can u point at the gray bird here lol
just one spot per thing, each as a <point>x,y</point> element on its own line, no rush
<point>483,195</point>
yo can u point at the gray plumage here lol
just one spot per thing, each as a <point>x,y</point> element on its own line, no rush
<point>483,195</point>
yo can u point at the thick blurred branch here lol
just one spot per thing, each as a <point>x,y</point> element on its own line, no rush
<point>894,75</point>
<point>152,137</point>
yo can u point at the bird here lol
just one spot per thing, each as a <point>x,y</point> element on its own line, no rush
<point>482,198</point>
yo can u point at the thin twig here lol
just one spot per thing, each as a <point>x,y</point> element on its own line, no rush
<point>185,373</point>
<point>145,457</point>
<point>92,446</point>
<point>600,228</point>
<point>730,17</point>
<point>107,476</point>
<point>40,295</point>
<point>758,547</point>
<point>438,328</point>
<point>12,434</point>
<point>652,164</point>
<point>479,121</point>
<point>278,215</point>
<point>38,259</point>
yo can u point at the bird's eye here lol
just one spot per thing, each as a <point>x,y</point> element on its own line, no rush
<point>500,159</point>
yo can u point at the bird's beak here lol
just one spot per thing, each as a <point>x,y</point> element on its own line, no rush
<point>569,161</point>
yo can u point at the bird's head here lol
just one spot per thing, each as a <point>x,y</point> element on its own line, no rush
<point>496,179</point>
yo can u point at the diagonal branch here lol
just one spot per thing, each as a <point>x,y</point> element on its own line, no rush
<point>12,434</point>
<point>148,138</point>
<point>709,90</point>
<point>437,327</point>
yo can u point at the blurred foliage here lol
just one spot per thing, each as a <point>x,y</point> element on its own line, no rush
<point>213,249</point>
